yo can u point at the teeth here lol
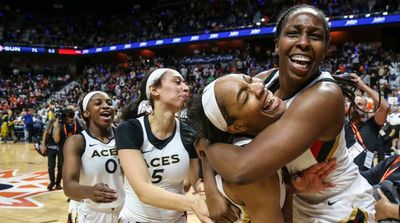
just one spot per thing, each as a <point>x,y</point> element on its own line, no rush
<point>301,58</point>
<point>269,103</point>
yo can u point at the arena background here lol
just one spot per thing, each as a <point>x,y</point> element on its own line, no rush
<point>52,52</point>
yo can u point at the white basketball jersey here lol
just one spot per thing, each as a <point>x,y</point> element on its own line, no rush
<point>244,215</point>
<point>100,164</point>
<point>350,186</point>
<point>167,168</point>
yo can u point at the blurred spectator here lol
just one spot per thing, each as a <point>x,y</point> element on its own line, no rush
<point>369,127</point>
<point>72,27</point>
<point>28,124</point>
<point>65,125</point>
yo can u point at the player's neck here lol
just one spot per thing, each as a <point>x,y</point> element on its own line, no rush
<point>102,134</point>
<point>162,124</point>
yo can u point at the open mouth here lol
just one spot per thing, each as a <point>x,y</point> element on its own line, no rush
<point>271,103</point>
<point>300,61</point>
<point>106,115</point>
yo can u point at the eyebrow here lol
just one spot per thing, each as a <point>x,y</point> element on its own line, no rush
<point>179,77</point>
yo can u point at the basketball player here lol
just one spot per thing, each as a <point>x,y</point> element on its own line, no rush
<point>91,174</point>
<point>263,199</point>
<point>310,131</point>
<point>156,155</point>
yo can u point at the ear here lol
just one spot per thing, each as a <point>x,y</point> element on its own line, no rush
<point>85,114</point>
<point>154,91</point>
<point>276,47</point>
<point>237,127</point>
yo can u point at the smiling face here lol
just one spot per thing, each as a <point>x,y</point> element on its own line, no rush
<point>100,110</point>
<point>301,44</point>
<point>247,102</point>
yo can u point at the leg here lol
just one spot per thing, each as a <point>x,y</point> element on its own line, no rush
<point>12,133</point>
<point>30,132</point>
<point>51,161</point>
<point>60,162</point>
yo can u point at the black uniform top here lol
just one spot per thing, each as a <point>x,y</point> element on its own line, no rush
<point>129,135</point>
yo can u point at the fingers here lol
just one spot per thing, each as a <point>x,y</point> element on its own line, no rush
<point>328,185</point>
<point>382,195</point>
<point>236,211</point>
<point>223,220</point>
<point>231,215</point>
<point>205,219</point>
<point>104,194</point>
<point>314,168</point>
<point>327,169</point>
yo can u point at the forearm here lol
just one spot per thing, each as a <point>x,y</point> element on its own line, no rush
<point>156,196</point>
<point>45,137</point>
<point>384,105</point>
<point>370,92</point>
<point>56,135</point>
<point>194,174</point>
<point>247,167</point>
<point>210,184</point>
<point>75,191</point>
<point>219,154</point>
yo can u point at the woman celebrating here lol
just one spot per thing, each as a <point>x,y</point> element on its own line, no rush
<point>156,154</point>
<point>91,172</point>
<point>310,131</point>
<point>264,198</point>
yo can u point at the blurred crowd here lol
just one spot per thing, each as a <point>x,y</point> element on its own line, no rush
<point>61,27</point>
<point>41,93</point>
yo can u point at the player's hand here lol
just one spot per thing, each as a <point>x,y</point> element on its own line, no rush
<point>43,148</point>
<point>199,207</point>
<point>221,210</point>
<point>101,193</point>
<point>311,180</point>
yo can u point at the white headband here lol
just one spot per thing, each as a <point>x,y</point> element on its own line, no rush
<point>211,108</point>
<point>153,78</point>
<point>87,97</point>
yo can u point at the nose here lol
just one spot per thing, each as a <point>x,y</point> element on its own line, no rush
<point>104,104</point>
<point>304,41</point>
<point>185,87</point>
<point>257,88</point>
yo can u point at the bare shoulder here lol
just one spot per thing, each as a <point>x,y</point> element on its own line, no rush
<point>326,88</point>
<point>322,106</point>
<point>326,94</point>
<point>74,142</point>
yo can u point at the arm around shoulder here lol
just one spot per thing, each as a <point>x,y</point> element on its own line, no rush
<point>315,114</point>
